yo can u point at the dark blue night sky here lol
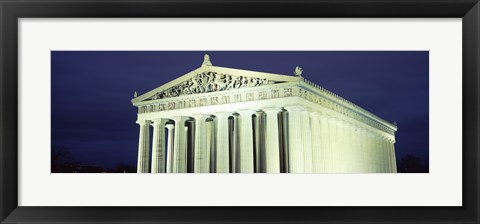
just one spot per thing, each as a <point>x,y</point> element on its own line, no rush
<point>92,115</point>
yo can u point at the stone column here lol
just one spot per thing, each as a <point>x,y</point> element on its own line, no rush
<point>246,140</point>
<point>307,142</point>
<point>333,146</point>
<point>393,157</point>
<point>210,126</point>
<point>170,158</point>
<point>379,155</point>
<point>370,152</point>
<point>272,146</point>
<point>143,147</point>
<point>341,147</point>
<point>363,151</point>
<point>259,143</point>
<point>222,149</point>
<point>388,155</point>
<point>375,153</point>
<point>158,146</point>
<point>349,148</point>
<point>325,143</point>
<point>180,146</point>
<point>295,141</point>
<point>316,142</point>
<point>201,154</point>
<point>356,158</point>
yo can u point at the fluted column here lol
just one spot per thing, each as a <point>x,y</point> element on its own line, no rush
<point>143,147</point>
<point>340,149</point>
<point>349,148</point>
<point>388,162</point>
<point>272,146</point>
<point>316,142</point>
<point>170,158</point>
<point>325,143</point>
<point>332,152</point>
<point>201,153</point>
<point>307,142</point>
<point>158,146</point>
<point>180,146</point>
<point>363,151</point>
<point>389,156</point>
<point>295,141</point>
<point>393,157</point>
<point>246,140</point>
<point>386,156</point>
<point>370,153</point>
<point>222,149</point>
<point>376,155</point>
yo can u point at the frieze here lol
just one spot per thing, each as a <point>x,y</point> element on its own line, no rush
<point>225,99</point>
<point>210,82</point>
<point>203,101</point>
<point>237,98</point>
<point>250,96</point>
<point>275,93</point>
<point>261,95</point>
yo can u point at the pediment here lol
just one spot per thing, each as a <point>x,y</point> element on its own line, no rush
<point>213,79</point>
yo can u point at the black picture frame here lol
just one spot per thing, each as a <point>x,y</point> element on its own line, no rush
<point>11,11</point>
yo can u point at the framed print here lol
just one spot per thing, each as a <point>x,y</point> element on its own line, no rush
<point>278,111</point>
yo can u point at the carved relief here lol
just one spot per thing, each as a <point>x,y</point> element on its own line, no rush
<point>262,95</point>
<point>275,93</point>
<point>249,96</point>
<point>287,92</point>
<point>214,100</point>
<point>210,82</point>
<point>237,97</point>
<point>225,99</point>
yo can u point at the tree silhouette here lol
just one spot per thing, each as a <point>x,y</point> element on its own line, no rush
<point>412,164</point>
<point>60,158</point>
<point>124,168</point>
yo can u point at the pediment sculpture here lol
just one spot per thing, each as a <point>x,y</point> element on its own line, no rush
<point>210,82</point>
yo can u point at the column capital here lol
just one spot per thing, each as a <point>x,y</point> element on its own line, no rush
<point>198,116</point>
<point>143,122</point>
<point>179,119</point>
<point>294,108</point>
<point>391,140</point>
<point>222,113</point>
<point>169,126</point>
<point>315,114</point>
<point>269,110</point>
<point>246,112</point>
<point>159,121</point>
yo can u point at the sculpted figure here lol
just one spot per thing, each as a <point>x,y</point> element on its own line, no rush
<point>244,81</point>
<point>206,60</point>
<point>186,88</point>
<point>230,82</point>
<point>237,83</point>
<point>194,86</point>
<point>219,82</point>
<point>298,71</point>
<point>252,82</point>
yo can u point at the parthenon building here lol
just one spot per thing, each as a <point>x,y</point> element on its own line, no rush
<point>223,120</point>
